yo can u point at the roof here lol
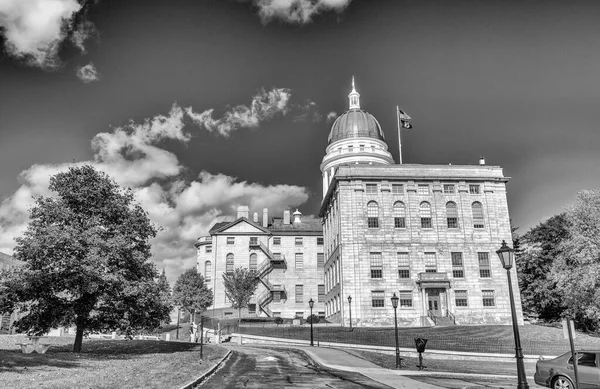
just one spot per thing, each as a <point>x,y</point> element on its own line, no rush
<point>308,226</point>
<point>8,261</point>
<point>223,226</point>
<point>355,123</point>
<point>218,226</point>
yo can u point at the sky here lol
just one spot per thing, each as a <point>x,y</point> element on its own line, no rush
<point>201,106</point>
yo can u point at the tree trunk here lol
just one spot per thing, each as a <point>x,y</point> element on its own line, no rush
<point>239,317</point>
<point>78,336</point>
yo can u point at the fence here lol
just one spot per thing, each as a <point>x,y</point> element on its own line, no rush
<point>386,337</point>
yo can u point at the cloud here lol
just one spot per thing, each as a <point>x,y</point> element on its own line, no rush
<point>331,116</point>
<point>35,29</point>
<point>308,112</point>
<point>264,106</point>
<point>87,73</point>
<point>296,11</point>
<point>134,155</point>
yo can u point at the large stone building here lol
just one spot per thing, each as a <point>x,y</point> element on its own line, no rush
<point>427,233</point>
<point>6,320</point>
<point>286,254</point>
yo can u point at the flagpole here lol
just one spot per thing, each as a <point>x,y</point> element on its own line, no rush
<point>399,138</point>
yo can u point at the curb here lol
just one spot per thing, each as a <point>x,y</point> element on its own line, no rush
<point>199,380</point>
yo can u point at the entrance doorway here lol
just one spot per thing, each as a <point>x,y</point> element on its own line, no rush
<point>433,300</point>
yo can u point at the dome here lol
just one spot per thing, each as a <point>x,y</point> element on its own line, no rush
<point>355,123</point>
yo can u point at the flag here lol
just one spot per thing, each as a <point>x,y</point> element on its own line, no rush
<point>404,119</point>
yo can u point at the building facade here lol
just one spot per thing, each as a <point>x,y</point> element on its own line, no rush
<point>285,253</point>
<point>427,233</point>
<point>6,320</point>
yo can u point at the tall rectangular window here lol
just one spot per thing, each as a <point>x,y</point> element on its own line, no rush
<point>397,189</point>
<point>253,241</point>
<point>406,299</point>
<point>298,241</point>
<point>430,263</point>
<point>372,214</point>
<point>448,188</point>
<point>484,265</point>
<point>299,261</point>
<point>376,265</point>
<point>477,209</point>
<point>299,293</point>
<point>230,240</point>
<point>488,298</point>
<point>319,241</point>
<point>321,293</point>
<point>277,294</point>
<point>276,241</point>
<point>474,189</point>
<point>458,268</point>
<point>371,188</point>
<point>403,265</point>
<point>377,298</point>
<point>209,248</point>
<point>320,260</point>
<point>277,256</point>
<point>460,298</point>
<point>423,189</point>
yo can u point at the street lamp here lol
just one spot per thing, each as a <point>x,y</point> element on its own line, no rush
<point>310,304</point>
<point>395,305</point>
<point>350,309</point>
<point>506,255</point>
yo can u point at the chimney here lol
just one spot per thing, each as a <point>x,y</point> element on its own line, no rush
<point>297,215</point>
<point>265,217</point>
<point>286,216</point>
<point>243,211</point>
<point>482,160</point>
<point>255,217</point>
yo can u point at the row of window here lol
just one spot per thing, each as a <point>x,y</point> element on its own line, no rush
<point>461,298</point>
<point>399,212</point>
<point>278,296</point>
<point>298,241</point>
<point>430,259</point>
<point>423,189</point>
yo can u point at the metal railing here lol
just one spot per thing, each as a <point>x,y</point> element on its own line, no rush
<point>451,316</point>
<point>432,316</point>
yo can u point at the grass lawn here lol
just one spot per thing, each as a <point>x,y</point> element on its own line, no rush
<point>483,367</point>
<point>535,339</point>
<point>104,364</point>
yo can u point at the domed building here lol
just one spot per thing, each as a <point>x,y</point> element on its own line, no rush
<point>426,234</point>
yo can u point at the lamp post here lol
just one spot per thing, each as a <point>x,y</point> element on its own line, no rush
<point>350,309</point>
<point>310,304</point>
<point>395,305</point>
<point>506,255</point>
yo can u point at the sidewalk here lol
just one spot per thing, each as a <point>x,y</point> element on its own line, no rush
<point>399,379</point>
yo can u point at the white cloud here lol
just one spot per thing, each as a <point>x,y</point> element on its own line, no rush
<point>34,29</point>
<point>83,32</point>
<point>296,11</point>
<point>264,106</point>
<point>308,112</point>
<point>331,116</point>
<point>133,156</point>
<point>87,73</point>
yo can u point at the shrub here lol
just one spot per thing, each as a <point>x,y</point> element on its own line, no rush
<point>313,319</point>
<point>278,320</point>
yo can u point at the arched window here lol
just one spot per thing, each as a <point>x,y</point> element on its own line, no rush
<point>477,215</point>
<point>425,213</point>
<point>229,263</point>
<point>451,214</point>
<point>253,263</point>
<point>399,215</point>
<point>372,214</point>
<point>207,271</point>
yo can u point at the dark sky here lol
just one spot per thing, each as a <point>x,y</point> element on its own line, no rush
<point>517,82</point>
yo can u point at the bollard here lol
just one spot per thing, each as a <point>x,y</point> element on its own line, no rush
<point>114,335</point>
<point>420,344</point>
<point>168,337</point>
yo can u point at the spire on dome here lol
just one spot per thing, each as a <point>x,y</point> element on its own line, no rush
<point>354,97</point>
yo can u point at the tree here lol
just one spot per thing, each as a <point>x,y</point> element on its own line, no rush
<point>86,254</point>
<point>537,251</point>
<point>191,293</point>
<point>576,269</point>
<point>239,287</point>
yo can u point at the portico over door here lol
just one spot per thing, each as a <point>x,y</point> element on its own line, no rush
<point>433,302</point>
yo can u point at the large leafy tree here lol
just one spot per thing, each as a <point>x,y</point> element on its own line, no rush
<point>576,269</point>
<point>536,253</point>
<point>191,293</point>
<point>86,255</point>
<point>239,287</point>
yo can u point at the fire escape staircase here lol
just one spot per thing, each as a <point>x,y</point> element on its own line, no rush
<point>266,297</point>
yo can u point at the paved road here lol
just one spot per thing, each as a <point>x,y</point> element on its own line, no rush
<point>260,368</point>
